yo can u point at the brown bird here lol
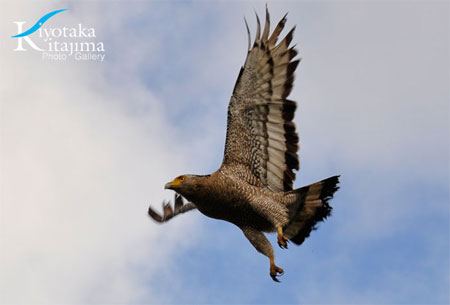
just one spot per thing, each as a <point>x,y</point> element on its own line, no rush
<point>253,187</point>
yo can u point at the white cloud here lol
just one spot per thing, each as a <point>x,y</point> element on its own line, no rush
<point>78,173</point>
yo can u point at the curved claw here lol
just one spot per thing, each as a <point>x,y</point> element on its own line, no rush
<point>276,271</point>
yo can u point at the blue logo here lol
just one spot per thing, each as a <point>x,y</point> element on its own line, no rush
<point>38,24</point>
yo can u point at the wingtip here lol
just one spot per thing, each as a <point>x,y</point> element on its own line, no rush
<point>284,19</point>
<point>154,215</point>
<point>258,27</point>
<point>266,30</point>
<point>248,33</point>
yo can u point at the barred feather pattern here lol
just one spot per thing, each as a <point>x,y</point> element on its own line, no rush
<point>310,208</point>
<point>261,136</point>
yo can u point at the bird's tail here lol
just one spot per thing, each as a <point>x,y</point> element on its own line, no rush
<point>310,207</point>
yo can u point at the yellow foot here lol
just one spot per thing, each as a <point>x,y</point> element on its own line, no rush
<point>275,271</point>
<point>282,240</point>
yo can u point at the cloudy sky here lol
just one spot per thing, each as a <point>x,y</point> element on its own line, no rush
<point>87,146</point>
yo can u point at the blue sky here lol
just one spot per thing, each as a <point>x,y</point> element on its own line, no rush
<point>87,146</point>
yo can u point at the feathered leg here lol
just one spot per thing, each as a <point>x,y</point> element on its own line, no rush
<point>277,214</point>
<point>262,245</point>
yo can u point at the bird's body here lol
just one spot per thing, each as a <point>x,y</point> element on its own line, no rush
<point>238,202</point>
<point>253,188</point>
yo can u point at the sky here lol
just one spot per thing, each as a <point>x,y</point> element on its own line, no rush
<point>87,146</point>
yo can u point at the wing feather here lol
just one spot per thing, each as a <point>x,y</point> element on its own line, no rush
<point>260,133</point>
<point>168,212</point>
<point>266,30</point>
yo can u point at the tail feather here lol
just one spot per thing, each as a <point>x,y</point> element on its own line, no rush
<point>310,207</point>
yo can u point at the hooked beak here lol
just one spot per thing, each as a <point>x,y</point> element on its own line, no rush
<point>168,185</point>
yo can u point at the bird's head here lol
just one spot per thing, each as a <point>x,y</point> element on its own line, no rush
<point>186,185</point>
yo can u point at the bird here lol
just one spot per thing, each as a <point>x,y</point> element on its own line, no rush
<point>253,187</point>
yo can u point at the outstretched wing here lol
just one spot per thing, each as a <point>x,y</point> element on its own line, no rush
<point>168,212</point>
<point>260,133</point>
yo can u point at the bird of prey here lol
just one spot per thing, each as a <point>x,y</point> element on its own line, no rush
<point>253,188</point>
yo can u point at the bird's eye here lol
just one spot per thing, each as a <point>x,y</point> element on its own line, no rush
<point>181,178</point>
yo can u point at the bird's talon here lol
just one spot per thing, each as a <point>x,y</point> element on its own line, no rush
<point>282,241</point>
<point>275,279</point>
<point>275,271</point>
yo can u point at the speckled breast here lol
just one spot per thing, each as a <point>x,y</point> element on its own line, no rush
<point>233,207</point>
